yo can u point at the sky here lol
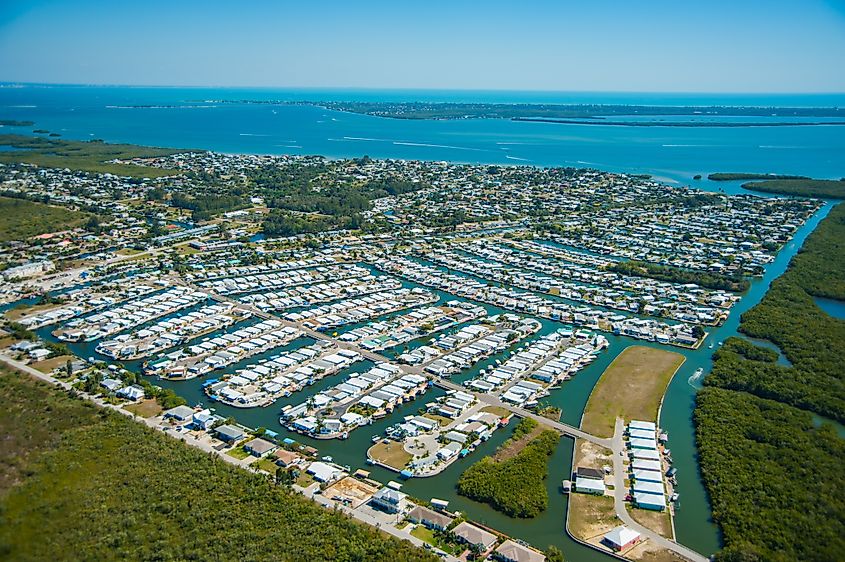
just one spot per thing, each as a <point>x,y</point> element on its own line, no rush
<point>585,45</point>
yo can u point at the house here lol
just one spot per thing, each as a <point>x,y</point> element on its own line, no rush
<point>510,551</point>
<point>111,384</point>
<point>260,447</point>
<point>472,535</point>
<point>323,472</point>
<point>654,502</point>
<point>430,518</point>
<point>133,392</point>
<point>621,538</point>
<point>589,486</point>
<point>229,433</point>
<point>390,500</point>
<point>39,354</point>
<point>591,473</point>
<point>203,420</point>
<point>287,458</point>
<point>179,413</point>
<point>589,481</point>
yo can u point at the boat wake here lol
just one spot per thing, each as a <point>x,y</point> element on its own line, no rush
<point>694,378</point>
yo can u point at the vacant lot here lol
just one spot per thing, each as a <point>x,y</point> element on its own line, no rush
<point>631,387</point>
<point>658,521</point>
<point>591,516</point>
<point>21,219</point>
<point>145,408</point>
<point>391,453</point>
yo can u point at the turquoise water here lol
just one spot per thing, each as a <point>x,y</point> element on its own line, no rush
<point>674,154</point>
<point>832,307</point>
<point>693,525</point>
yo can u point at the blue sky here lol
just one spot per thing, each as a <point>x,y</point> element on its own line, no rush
<point>584,45</point>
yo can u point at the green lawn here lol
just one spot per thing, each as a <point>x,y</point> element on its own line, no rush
<point>238,453</point>
<point>21,219</point>
<point>267,466</point>
<point>427,535</point>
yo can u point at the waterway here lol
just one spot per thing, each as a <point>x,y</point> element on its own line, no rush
<point>187,118</point>
<point>693,524</point>
<point>671,154</point>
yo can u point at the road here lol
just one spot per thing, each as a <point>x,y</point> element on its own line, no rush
<point>492,400</point>
<point>619,493</point>
<point>358,514</point>
<point>616,444</point>
<point>488,399</point>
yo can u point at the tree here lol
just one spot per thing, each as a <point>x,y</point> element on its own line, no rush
<point>553,554</point>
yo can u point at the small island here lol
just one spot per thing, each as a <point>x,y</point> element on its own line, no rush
<point>15,123</point>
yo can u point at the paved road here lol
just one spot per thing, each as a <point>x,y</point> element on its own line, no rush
<point>357,514</point>
<point>492,400</point>
<point>620,491</point>
<point>488,399</point>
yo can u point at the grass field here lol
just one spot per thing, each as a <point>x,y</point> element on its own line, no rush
<point>238,453</point>
<point>82,156</point>
<point>19,312</point>
<point>590,516</point>
<point>145,408</point>
<point>496,411</point>
<point>48,365</point>
<point>21,219</point>
<point>658,521</point>
<point>631,387</point>
<point>391,453</point>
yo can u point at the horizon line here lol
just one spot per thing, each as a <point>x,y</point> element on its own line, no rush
<point>13,83</point>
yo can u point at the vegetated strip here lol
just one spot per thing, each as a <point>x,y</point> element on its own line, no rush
<point>469,110</point>
<point>831,189</point>
<point>773,475</point>
<point>515,486</point>
<point>631,387</point>
<point>812,340</point>
<point>83,156</point>
<point>734,176</point>
<point>108,488</point>
<point>672,274</point>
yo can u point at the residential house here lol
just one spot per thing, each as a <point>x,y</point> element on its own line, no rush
<point>510,551</point>
<point>429,518</point>
<point>472,535</point>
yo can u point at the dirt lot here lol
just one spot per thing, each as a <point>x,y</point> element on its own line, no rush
<point>591,516</point>
<point>354,490</point>
<point>48,365</point>
<point>658,521</point>
<point>145,408</point>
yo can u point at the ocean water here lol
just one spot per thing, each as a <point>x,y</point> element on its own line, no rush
<point>673,154</point>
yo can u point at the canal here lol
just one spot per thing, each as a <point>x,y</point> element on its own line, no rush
<point>693,523</point>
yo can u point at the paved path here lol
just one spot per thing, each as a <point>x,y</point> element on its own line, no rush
<point>619,493</point>
<point>488,399</point>
<point>492,400</point>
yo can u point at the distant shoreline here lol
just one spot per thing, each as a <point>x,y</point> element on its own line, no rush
<point>676,123</point>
